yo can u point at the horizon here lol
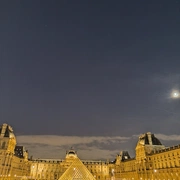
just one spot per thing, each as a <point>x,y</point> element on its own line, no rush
<point>87,147</point>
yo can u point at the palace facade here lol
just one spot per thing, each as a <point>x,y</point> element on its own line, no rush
<point>153,161</point>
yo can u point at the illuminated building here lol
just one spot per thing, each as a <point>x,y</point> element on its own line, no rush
<point>54,169</point>
<point>153,161</point>
<point>14,162</point>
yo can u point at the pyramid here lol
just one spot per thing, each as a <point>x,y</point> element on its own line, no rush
<point>77,171</point>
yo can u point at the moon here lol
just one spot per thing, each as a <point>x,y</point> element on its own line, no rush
<point>175,94</point>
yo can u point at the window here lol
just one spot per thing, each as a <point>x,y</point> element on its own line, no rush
<point>3,145</point>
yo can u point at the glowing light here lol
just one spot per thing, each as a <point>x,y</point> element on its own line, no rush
<point>175,94</point>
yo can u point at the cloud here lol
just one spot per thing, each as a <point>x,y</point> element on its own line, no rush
<point>168,137</point>
<point>68,140</point>
<point>88,147</point>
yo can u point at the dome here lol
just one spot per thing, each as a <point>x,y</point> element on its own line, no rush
<point>71,154</point>
<point>148,139</point>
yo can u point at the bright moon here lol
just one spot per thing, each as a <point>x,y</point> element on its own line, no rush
<point>175,94</point>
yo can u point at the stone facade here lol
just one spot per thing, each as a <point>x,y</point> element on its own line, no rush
<point>14,163</point>
<point>153,161</point>
<point>54,169</point>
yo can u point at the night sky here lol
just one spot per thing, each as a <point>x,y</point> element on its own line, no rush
<point>90,68</point>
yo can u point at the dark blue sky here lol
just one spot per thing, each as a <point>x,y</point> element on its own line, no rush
<point>90,67</point>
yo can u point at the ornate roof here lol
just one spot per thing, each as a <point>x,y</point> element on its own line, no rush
<point>148,139</point>
<point>71,153</point>
<point>6,131</point>
<point>124,155</point>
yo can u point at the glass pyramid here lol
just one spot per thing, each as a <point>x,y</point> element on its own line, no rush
<point>77,171</point>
